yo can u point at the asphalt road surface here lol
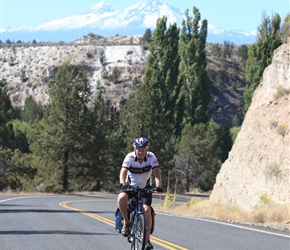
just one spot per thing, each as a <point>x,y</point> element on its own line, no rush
<point>85,222</point>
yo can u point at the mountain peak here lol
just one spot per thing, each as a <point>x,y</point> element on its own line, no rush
<point>100,8</point>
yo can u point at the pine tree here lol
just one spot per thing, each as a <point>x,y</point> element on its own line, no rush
<point>61,138</point>
<point>6,115</point>
<point>104,148</point>
<point>6,137</point>
<point>192,70</point>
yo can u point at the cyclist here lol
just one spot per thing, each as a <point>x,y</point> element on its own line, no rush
<point>136,171</point>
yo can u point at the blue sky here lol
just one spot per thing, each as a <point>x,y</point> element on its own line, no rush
<point>244,15</point>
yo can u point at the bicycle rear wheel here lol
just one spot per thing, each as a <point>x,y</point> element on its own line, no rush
<point>139,233</point>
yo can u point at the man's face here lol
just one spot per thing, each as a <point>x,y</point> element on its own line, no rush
<point>141,153</point>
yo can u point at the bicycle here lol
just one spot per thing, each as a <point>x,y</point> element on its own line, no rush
<point>137,236</point>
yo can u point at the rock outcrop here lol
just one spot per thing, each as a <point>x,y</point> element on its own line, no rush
<point>258,166</point>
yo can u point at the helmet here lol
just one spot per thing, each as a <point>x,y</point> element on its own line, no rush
<point>141,142</point>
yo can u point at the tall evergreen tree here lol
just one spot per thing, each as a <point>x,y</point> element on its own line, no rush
<point>6,137</point>
<point>285,30</point>
<point>162,72</point>
<point>104,148</point>
<point>192,70</point>
<point>260,55</point>
<point>62,136</point>
<point>6,115</point>
<point>140,117</point>
<point>152,111</point>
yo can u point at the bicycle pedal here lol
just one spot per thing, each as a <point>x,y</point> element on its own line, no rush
<point>130,239</point>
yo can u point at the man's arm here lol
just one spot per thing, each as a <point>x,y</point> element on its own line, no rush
<point>123,175</point>
<point>157,174</point>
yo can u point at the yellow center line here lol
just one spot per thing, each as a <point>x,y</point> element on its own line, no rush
<point>158,241</point>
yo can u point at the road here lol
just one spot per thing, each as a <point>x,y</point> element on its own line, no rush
<point>85,222</point>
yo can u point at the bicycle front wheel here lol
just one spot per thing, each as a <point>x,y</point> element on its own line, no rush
<point>139,235</point>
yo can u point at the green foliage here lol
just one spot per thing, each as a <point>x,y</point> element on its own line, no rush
<point>260,55</point>
<point>227,49</point>
<point>5,159</point>
<point>12,168</point>
<point>139,118</point>
<point>201,151</point>
<point>285,31</point>
<point>75,147</point>
<point>63,135</point>
<point>282,128</point>
<point>192,70</point>
<point>6,115</point>
<point>147,37</point>
<point>102,57</point>
<point>16,174</point>
<point>243,51</point>
<point>281,92</point>
<point>216,50</point>
<point>32,111</point>
<point>236,121</point>
<point>152,111</point>
<point>20,132</point>
<point>162,72</point>
<point>234,133</point>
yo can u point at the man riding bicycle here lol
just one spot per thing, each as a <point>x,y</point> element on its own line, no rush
<point>136,171</point>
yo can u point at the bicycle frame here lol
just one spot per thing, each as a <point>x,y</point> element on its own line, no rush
<point>137,236</point>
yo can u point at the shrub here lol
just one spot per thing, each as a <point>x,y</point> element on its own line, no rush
<point>41,188</point>
<point>234,133</point>
<point>281,92</point>
<point>273,169</point>
<point>282,129</point>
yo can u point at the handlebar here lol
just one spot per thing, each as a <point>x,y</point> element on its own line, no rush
<point>143,190</point>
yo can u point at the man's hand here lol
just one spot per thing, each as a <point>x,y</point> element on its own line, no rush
<point>159,189</point>
<point>124,186</point>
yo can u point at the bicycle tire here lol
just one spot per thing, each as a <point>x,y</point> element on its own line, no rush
<point>139,233</point>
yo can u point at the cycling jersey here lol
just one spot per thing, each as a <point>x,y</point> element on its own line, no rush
<point>139,174</point>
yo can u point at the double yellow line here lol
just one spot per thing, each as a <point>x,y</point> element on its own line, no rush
<point>158,241</point>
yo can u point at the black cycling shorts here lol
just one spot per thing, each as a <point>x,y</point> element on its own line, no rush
<point>147,197</point>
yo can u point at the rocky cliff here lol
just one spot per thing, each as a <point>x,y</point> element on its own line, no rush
<point>258,166</point>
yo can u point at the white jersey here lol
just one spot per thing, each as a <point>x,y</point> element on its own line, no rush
<point>139,174</point>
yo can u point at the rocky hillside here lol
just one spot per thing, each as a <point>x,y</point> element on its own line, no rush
<point>258,167</point>
<point>116,64</point>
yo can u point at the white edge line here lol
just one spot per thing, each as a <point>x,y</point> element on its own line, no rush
<point>23,197</point>
<point>228,224</point>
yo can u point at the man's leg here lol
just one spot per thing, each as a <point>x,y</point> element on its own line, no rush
<point>122,204</point>
<point>147,201</point>
<point>148,219</point>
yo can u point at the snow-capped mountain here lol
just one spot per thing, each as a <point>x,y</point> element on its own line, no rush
<point>103,19</point>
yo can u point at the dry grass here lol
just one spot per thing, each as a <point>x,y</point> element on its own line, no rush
<point>268,215</point>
